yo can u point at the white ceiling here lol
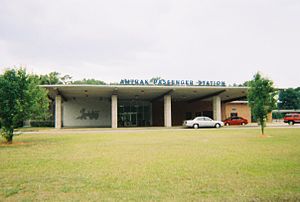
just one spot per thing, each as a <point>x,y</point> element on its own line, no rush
<point>179,93</point>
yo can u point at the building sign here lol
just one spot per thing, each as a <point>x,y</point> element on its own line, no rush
<point>163,82</point>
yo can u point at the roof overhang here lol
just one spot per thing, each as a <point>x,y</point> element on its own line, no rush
<point>150,93</point>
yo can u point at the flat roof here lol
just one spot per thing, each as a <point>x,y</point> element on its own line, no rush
<point>148,92</point>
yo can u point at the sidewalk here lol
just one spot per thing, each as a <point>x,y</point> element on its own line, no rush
<point>143,129</point>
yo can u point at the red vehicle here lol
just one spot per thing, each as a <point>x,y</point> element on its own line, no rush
<point>291,119</point>
<point>235,121</point>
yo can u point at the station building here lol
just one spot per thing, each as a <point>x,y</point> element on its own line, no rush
<point>137,103</point>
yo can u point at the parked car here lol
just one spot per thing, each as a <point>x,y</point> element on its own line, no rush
<point>202,121</point>
<point>292,118</point>
<point>235,121</point>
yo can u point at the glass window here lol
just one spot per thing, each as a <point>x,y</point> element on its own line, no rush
<point>127,108</point>
<point>207,119</point>
<point>233,115</point>
<point>188,115</point>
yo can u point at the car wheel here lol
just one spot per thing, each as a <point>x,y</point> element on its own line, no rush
<point>195,126</point>
<point>243,124</point>
<point>291,123</point>
<point>217,125</point>
<point>227,124</point>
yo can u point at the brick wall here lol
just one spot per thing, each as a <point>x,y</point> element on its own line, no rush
<point>242,110</point>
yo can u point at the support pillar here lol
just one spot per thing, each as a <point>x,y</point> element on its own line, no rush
<point>167,110</point>
<point>58,112</point>
<point>217,108</point>
<point>114,111</point>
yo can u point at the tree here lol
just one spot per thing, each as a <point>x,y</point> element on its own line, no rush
<point>20,99</point>
<point>66,79</point>
<point>261,98</point>
<point>50,79</point>
<point>246,83</point>
<point>54,78</point>
<point>89,81</point>
<point>289,98</point>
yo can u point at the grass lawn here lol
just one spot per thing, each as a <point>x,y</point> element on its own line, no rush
<point>162,165</point>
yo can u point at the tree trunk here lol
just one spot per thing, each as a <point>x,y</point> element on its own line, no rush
<point>9,139</point>
<point>262,126</point>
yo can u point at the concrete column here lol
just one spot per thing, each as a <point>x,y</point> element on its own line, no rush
<point>217,108</point>
<point>58,112</point>
<point>168,110</point>
<point>114,111</point>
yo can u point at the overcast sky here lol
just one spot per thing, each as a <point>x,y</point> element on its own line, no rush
<point>226,40</point>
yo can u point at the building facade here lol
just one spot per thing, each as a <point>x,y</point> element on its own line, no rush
<point>143,105</point>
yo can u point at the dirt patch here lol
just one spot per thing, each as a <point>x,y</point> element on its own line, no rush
<point>264,136</point>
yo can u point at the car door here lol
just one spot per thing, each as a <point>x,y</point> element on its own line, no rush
<point>234,121</point>
<point>239,121</point>
<point>228,120</point>
<point>200,122</point>
<point>208,122</point>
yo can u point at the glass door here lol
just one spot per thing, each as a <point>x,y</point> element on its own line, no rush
<point>128,119</point>
<point>133,119</point>
<point>133,113</point>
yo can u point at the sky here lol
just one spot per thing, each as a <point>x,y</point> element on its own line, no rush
<point>228,40</point>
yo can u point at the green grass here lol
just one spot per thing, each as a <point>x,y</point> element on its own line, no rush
<point>162,165</point>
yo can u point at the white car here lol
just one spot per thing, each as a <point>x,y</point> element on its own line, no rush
<point>202,121</point>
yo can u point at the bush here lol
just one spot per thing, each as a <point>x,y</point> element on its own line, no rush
<point>42,123</point>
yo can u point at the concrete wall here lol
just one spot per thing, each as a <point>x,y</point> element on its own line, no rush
<point>87,112</point>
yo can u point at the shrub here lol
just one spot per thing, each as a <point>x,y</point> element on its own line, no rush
<point>42,123</point>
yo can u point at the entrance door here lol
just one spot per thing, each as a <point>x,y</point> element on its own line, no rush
<point>133,119</point>
<point>128,119</point>
<point>134,113</point>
